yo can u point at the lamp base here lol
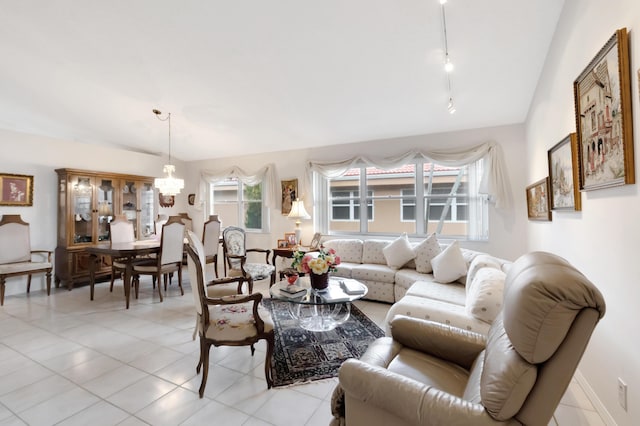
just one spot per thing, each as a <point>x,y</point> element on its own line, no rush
<point>298,232</point>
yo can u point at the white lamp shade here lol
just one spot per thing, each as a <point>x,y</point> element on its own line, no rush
<point>298,211</point>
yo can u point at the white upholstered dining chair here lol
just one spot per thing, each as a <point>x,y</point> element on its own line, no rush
<point>16,256</point>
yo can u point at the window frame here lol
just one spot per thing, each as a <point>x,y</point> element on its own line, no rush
<point>241,203</point>
<point>477,220</point>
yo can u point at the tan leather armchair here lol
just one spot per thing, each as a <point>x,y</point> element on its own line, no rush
<point>433,374</point>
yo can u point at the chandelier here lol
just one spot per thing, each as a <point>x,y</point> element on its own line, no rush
<point>168,185</point>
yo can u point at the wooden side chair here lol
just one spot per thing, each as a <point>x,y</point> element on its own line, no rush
<point>235,256</point>
<point>121,232</point>
<point>168,260</point>
<point>234,320</point>
<point>16,256</point>
<point>211,242</point>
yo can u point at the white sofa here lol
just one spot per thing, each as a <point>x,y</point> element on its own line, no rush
<point>419,294</point>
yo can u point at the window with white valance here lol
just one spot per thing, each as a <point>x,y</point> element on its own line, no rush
<point>445,191</point>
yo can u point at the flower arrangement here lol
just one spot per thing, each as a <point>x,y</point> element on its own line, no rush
<point>320,262</point>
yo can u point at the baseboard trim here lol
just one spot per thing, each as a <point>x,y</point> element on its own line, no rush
<point>595,401</point>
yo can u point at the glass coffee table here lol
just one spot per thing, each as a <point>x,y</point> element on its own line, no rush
<point>319,310</point>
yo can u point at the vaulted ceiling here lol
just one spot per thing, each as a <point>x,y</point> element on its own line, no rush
<point>249,76</point>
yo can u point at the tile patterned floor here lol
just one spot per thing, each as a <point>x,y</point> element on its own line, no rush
<point>65,360</point>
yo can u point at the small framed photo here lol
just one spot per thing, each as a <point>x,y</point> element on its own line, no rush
<point>17,190</point>
<point>289,194</point>
<point>166,200</point>
<point>283,244</point>
<point>315,241</point>
<point>538,201</point>
<point>291,238</point>
<point>563,175</point>
<point>191,199</point>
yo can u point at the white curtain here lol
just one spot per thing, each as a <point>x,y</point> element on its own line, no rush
<point>494,182</point>
<point>266,175</point>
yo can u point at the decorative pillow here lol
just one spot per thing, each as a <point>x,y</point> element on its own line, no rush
<point>485,294</point>
<point>424,252</point>
<point>449,265</point>
<point>398,252</point>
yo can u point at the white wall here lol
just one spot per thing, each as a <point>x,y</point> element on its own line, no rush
<point>507,228</point>
<point>40,156</point>
<point>600,240</point>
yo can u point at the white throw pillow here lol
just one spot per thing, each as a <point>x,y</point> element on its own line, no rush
<point>449,265</point>
<point>425,251</point>
<point>398,252</point>
<point>485,294</point>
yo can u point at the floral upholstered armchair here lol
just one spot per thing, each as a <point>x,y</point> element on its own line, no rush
<point>235,258</point>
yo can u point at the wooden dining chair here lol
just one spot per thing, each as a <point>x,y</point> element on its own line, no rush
<point>233,320</point>
<point>211,242</point>
<point>168,260</point>
<point>121,232</point>
<point>16,256</point>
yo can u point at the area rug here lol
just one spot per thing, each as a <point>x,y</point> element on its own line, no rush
<point>301,356</point>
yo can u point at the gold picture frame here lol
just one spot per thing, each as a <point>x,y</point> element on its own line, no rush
<point>602,95</point>
<point>16,190</point>
<point>289,194</point>
<point>538,200</point>
<point>563,175</point>
<point>291,238</point>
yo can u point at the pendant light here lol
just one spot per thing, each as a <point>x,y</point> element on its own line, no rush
<point>168,185</point>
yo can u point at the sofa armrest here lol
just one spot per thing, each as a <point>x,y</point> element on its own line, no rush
<point>440,340</point>
<point>407,399</point>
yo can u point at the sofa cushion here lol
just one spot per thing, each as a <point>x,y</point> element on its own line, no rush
<point>398,252</point>
<point>485,294</point>
<point>372,251</point>
<point>449,265</point>
<point>344,269</point>
<point>371,272</point>
<point>451,293</point>
<point>349,250</point>
<point>424,252</point>
<point>482,261</point>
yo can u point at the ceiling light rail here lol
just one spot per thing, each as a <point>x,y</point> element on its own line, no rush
<point>448,65</point>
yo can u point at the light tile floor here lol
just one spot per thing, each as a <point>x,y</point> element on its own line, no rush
<point>67,360</point>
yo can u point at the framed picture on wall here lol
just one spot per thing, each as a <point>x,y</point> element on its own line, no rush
<point>602,95</point>
<point>166,200</point>
<point>16,190</point>
<point>289,194</point>
<point>563,175</point>
<point>538,200</point>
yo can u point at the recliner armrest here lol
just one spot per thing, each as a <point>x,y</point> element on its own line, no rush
<point>440,340</point>
<point>408,399</point>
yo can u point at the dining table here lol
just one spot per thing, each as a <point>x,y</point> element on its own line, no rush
<point>126,253</point>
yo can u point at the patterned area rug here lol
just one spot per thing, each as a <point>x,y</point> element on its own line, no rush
<point>302,356</point>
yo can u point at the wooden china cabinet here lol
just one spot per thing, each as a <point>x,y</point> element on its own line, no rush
<point>87,202</point>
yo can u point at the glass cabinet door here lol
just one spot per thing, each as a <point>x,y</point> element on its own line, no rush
<point>82,207</point>
<point>105,192</point>
<point>146,211</point>
<point>128,195</point>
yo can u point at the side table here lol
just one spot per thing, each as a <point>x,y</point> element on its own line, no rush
<point>287,253</point>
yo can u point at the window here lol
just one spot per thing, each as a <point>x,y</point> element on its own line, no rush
<point>441,199</point>
<point>345,205</point>
<point>239,204</point>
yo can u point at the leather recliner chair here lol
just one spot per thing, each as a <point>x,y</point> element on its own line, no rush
<point>433,374</point>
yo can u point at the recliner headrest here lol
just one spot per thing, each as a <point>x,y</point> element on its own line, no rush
<point>543,295</point>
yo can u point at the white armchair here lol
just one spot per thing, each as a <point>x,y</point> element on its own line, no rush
<point>16,256</point>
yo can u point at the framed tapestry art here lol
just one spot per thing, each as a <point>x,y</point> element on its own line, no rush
<point>602,95</point>
<point>563,175</point>
<point>289,194</point>
<point>166,200</point>
<point>17,190</point>
<point>538,200</point>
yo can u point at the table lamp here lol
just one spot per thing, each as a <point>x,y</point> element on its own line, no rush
<point>298,212</point>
